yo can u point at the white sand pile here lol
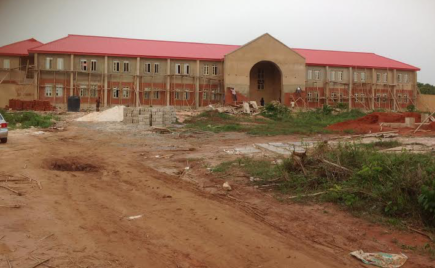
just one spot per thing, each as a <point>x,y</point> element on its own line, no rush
<point>115,114</point>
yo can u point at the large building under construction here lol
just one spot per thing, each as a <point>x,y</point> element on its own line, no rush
<point>145,72</point>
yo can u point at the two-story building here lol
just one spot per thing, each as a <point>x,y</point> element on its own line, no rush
<point>148,72</point>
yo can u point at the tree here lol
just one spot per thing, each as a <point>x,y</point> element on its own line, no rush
<point>426,88</point>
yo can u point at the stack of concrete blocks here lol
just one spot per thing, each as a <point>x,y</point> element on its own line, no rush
<point>146,116</point>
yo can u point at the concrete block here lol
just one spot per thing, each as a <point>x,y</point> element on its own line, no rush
<point>409,121</point>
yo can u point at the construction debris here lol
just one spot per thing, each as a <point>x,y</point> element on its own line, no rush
<point>34,105</point>
<point>380,259</point>
<point>146,116</point>
<point>245,108</point>
<point>226,186</point>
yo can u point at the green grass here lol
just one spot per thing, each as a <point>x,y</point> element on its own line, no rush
<point>27,119</point>
<point>399,187</point>
<point>271,123</point>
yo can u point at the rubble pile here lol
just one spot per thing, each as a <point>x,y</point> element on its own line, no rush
<point>246,108</point>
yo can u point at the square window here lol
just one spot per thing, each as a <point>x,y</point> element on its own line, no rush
<point>332,76</point>
<point>6,64</point>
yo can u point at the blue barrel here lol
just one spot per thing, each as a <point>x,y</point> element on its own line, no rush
<point>73,104</point>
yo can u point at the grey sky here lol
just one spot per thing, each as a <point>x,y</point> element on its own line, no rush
<point>400,29</point>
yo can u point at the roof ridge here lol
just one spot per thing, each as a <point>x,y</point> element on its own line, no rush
<point>341,51</point>
<point>30,39</point>
<point>49,43</point>
<point>138,39</point>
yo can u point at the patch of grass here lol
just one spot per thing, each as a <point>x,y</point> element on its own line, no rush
<point>382,144</point>
<point>280,122</point>
<point>395,186</point>
<point>27,119</point>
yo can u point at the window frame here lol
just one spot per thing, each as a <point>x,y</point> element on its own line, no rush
<point>186,69</point>
<point>48,86</point>
<point>177,68</point>
<point>214,69</point>
<point>59,88</point>
<point>317,75</point>
<point>406,79</point>
<point>125,89</point>
<point>332,76</point>
<point>48,63</point>
<point>355,77</point>
<point>399,78</point>
<point>310,75</point>
<point>156,68</point>
<point>156,94</point>
<point>147,67</point>
<point>340,76</point>
<point>92,90</point>
<point>9,64</point>
<point>60,64</point>
<point>116,64</point>
<point>83,89</point>
<point>205,70</point>
<point>260,79</point>
<point>363,76</point>
<point>385,77</point>
<point>378,77</point>
<point>126,63</point>
<point>84,67</point>
<point>115,89</point>
<point>94,64</point>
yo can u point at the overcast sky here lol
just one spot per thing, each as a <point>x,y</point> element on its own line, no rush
<point>400,29</point>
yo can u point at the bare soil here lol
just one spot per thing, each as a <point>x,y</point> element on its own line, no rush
<point>88,180</point>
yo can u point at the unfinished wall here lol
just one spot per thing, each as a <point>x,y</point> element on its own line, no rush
<point>13,91</point>
<point>425,103</point>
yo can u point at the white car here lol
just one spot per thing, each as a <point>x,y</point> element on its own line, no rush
<point>3,130</point>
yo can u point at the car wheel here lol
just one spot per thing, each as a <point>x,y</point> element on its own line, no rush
<point>4,140</point>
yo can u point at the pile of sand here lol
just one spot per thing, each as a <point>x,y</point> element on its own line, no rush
<point>115,114</point>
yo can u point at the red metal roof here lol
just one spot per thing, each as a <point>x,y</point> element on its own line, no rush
<point>351,59</point>
<point>19,48</point>
<point>124,47</point>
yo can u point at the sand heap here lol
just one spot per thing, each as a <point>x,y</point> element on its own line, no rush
<point>115,114</point>
<point>371,122</point>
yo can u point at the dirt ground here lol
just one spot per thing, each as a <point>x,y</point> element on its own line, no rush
<point>94,176</point>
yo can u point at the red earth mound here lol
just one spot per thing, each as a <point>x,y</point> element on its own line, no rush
<point>371,122</point>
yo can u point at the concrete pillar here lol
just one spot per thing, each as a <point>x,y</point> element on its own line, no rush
<point>415,88</point>
<point>137,82</point>
<point>394,90</point>
<point>105,81</point>
<point>350,87</point>
<point>71,75</point>
<point>168,81</point>
<point>373,88</point>
<point>326,92</point>
<point>35,77</point>
<point>197,85</point>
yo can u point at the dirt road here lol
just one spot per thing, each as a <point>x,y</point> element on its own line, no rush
<point>93,180</point>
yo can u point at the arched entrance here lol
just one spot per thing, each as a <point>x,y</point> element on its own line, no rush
<point>265,81</point>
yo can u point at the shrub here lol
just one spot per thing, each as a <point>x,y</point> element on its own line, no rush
<point>410,108</point>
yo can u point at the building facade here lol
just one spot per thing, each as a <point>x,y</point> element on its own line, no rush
<point>136,72</point>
